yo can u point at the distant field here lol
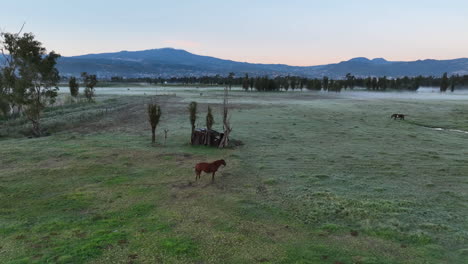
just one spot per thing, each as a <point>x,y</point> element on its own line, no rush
<point>321,178</point>
<point>103,84</point>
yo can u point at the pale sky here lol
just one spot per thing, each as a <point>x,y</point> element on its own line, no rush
<point>295,32</point>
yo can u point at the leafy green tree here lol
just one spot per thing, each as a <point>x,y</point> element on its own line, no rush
<point>209,125</point>
<point>325,83</point>
<point>154,114</point>
<point>90,82</point>
<point>246,82</point>
<point>30,77</point>
<point>293,83</point>
<point>230,79</point>
<point>382,83</point>
<point>193,117</point>
<point>4,103</point>
<point>350,81</point>
<point>444,84</point>
<point>285,83</point>
<point>252,82</point>
<point>453,82</point>
<point>209,119</point>
<point>375,83</point>
<point>74,87</point>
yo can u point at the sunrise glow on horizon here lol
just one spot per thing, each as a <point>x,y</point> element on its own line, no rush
<point>298,32</point>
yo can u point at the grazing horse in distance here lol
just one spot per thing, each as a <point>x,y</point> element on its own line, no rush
<point>399,116</point>
<point>208,168</point>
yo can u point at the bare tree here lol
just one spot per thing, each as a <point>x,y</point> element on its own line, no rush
<point>227,128</point>
<point>165,135</point>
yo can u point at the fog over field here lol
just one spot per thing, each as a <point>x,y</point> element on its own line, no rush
<point>423,93</point>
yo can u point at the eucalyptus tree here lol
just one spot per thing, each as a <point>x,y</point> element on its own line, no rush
<point>325,83</point>
<point>4,103</point>
<point>74,87</point>
<point>453,82</point>
<point>230,79</point>
<point>444,83</point>
<point>89,82</point>
<point>246,82</point>
<point>29,78</point>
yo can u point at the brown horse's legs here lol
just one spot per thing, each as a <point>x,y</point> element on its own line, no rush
<point>212,177</point>
<point>197,175</point>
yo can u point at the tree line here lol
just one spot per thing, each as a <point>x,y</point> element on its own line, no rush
<point>285,83</point>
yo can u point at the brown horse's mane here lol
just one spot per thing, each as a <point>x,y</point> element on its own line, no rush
<point>218,162</point>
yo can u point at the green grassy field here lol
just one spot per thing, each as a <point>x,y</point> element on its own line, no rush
<point>321,178</point>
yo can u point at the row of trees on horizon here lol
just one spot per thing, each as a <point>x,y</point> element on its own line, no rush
<point>286,83</point>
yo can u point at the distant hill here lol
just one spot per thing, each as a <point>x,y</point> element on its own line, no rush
<point>169,62</point>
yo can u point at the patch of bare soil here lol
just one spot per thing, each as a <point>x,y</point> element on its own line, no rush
<point>130,116</point>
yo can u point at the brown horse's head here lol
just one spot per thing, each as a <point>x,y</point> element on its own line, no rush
<point>222,162</point>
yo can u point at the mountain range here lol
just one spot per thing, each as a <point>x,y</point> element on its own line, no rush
<point>169,62</point>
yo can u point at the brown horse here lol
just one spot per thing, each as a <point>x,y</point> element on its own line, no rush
<point>399,116</point>
<point>208,168</point>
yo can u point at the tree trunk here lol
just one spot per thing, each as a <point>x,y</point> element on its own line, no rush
<point>207,137</point>
<point>153,138</point>
<point>227,128</point>
<point>224,142</point>
<point>193,135</point>
<point>36,130</point>
<point>165,136</point>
